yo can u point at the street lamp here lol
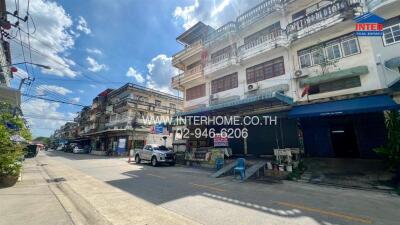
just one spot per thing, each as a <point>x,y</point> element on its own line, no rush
<point>35,64</point>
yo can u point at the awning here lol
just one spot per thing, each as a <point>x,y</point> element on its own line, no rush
<point>349,106</point>
<point>337,75</point>
<point>393,63</point>
<point>268,96</point>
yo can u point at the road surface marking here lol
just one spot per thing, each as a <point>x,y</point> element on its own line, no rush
<point>208,187</point>
<point>153,175</point>
<point>328,213</point>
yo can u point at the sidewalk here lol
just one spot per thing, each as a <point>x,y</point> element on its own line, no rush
<point>82,196</point>
<point>31,201</point>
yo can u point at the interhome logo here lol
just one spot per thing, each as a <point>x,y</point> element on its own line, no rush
<point>369,24</point>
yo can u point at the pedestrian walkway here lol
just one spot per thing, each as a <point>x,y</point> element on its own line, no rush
<point>31,201</point>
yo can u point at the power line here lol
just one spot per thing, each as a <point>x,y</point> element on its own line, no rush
<point>53,100</point>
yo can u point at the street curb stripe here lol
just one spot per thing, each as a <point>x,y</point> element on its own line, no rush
<point>328,213</point>
<point>208,187</point>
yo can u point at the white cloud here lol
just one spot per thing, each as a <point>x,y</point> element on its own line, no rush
<point>135,74</point>
<point>160,71</point>
<point>94,51</point>
<point>94,66</point>
<point>83,26</point>
<point>43,116</point>
<point>81,91</point>
<point>76,99</point>
<point>93,85</point>
<point>187,13</point>
<point>52,37</point>
<point>43,89</point>
<point>215,13</point>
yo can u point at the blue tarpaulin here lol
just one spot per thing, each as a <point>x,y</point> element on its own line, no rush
<point>349,106</point>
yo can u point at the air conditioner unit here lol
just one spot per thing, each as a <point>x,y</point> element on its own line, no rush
<point>302,72</point>
<point>252,87</point>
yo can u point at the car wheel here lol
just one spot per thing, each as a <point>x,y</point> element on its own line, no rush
<point>137,159</point>
<point>154,161</point>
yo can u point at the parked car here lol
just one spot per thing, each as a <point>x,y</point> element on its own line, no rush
<point>79,149</point>
<point>155,154</point>
<point>69,147</point>
<point>60,147</point>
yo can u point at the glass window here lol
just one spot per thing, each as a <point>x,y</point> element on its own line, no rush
<point>157,102</point>
<point>196,92</point>
<point>318,57</point>
<point>333,52</point>
<point>265,70</point>
<point>391,34</point>
<point>350,47</point>
<point>224,83</point>
<point>305,60</point>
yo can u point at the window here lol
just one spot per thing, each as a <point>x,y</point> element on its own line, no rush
<point>172,105</point>
<point>224,83</point>
<point>265,70</point>
<point>305,60</point>
<point>196,92</point>
<point>273,30</point>
<point>333,52</point>
<point>330,50</point>
<point>318,57</point>
<point>157,102</point>
<point>350,47</point>
<point>391,34</point>
<point>299,15</point>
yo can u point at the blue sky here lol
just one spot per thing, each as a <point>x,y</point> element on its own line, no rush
<point>92,45</point>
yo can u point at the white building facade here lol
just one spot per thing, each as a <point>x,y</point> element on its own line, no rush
<point>300,60</point>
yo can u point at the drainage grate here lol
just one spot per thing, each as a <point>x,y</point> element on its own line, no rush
<point>56,180</point>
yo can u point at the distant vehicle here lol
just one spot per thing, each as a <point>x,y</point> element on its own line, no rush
<point>155,154</point>
<point>60,147</point>
<point>31,151</point>
<point>79,149</point>
<point>70,147</point>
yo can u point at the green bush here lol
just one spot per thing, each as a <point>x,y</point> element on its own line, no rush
<point>11,153</point>
<point>391,151</point>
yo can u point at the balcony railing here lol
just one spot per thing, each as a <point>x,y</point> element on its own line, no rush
<point>326,12</point>
<point>221,32</point>
<point>220,62</point>
<point>266,41</point>
<point>187,74</point>
<point>258,12</point>
<point>186,50</point>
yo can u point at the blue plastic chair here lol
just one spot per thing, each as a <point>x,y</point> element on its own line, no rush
<point>240,167</point>
<point>219,163</point>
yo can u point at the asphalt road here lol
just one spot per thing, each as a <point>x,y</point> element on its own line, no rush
<point>191,193</point>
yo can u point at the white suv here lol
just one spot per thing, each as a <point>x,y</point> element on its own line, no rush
<point>155,154</point>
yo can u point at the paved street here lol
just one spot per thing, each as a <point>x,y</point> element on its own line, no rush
<point>116,189</point>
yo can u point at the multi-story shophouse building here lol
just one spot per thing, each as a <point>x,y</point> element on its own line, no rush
<point>7,94</point>
<point>301,61</point>
<point>128,107</point>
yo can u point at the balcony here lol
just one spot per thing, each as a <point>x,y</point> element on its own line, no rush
<point>187,76</point>
<point>382,7</point>
<point>262,44</point>
<point>322,18</point>
<point>221,33</point>
<point>186,53</point>
<point>220,62</point>
<point>258,12</point>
